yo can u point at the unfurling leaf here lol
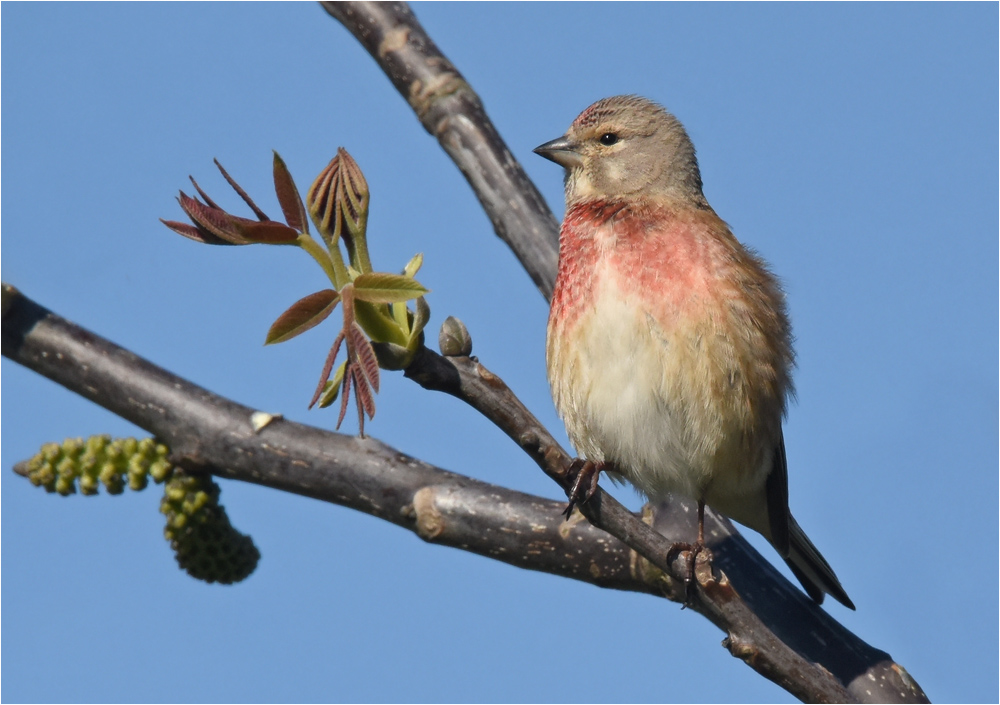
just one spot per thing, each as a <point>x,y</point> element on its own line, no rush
<point>214,220</point>
<point>365,355</point>
<point>375,321</point>
<point>204,196</point>
<point>243,194</point>
<point>270,232</point>
<point>380,331</point>
<point>383,288</point>
<point>393,357</point>
<point>214,226</point>
<point>401,316</point>
<point>321,200</point>
<point>420,319</point>
<point>364,395</point>
<point>288,197</point>
<point>327,366</point>
<point>331,390</point>
<point>345,392</point>
<point>304,314</point>
<point>196,233</point>
<point>413,266</point>
<point>338,203</point>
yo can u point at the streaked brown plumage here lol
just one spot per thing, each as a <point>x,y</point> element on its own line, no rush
<point>669,350</point>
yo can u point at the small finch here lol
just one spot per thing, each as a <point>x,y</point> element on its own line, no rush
<point>669,351</point>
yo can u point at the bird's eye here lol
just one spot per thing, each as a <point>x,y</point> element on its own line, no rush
<point>609,138</point>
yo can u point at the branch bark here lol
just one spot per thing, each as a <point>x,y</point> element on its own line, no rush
<point>789,640</point>
<point>450,110</point>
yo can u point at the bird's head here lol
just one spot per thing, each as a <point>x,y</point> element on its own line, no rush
<point>626,146</point>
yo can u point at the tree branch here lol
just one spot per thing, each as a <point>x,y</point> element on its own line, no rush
<point>776,631</point>
<point>395,39</point>
<point>209,433</point>
<point>451,111</point>
<point>206,432</point>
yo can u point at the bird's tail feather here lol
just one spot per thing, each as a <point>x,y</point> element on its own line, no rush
<point>812,570</point>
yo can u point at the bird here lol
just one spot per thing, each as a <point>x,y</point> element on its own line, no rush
<point>669,347</point>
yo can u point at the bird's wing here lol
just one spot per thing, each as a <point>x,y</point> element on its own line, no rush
<point>805,561</point>
<point>777,498</point>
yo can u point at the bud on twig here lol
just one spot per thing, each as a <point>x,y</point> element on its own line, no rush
<point>338,204</point>
<point>454,339</point>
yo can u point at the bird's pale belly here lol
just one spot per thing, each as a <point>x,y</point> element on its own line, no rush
<point>660,401</point>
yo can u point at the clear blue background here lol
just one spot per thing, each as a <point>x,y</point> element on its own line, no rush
<point>854,146</point>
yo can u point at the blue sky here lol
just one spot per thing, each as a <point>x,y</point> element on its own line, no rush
<point>853,145</point>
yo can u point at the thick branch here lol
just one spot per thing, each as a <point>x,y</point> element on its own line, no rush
<point>210,433</point>
<point>213,434</point>
<point>451,111</point>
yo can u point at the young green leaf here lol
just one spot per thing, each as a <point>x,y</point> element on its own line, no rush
<point>420,318</point>
<point>413,266</point>
<point>332,388</point>
<point>304,314</point>
<point>401,316</point>
<point>384,288</point>
<point>377,324</point>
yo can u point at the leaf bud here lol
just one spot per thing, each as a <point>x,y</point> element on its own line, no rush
<point>454,339</point>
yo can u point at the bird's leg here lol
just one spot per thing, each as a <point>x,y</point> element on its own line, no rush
<point>693,550</point>
<point>585,474</point>
<point>700,543</point>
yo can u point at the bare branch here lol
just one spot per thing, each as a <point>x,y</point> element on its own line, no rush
<point>209,433</point>
<point>212,434</point>
<point>778,632</point>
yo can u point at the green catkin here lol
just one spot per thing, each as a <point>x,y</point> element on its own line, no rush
<point>205,544</point>
<point>75,463</point>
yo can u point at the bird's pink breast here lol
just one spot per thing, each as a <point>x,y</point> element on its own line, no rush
<point>668,259</point>
<point>667,349</point>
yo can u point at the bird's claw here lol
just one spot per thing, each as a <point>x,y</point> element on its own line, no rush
<point>690,579</point>
<point>585,475</point>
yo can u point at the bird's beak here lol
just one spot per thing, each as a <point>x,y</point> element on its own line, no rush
<point>562,151</point>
